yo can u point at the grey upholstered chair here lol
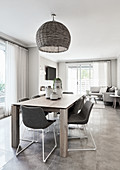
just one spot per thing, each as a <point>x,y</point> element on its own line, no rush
<point>36,96</point>
<point>34,117</point>
<point>67,92</point>
<point>82,118</point>
<point>22,100</point>
<point>78,105</point>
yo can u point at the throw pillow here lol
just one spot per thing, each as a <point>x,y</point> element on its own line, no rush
<point>95,89</point>
<point>112,89</point>
<point>103,89</point>
<point>108,88</point>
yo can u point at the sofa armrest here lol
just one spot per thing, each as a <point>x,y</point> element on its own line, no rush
<point>107,98</point>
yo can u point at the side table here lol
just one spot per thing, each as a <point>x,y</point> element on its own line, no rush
<point>115,99</point>
<point>91,97</point>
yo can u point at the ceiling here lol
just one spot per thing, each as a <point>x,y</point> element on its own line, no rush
<point>94,25</point>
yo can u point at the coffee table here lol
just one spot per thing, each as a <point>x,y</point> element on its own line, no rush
<point>115,99</point>
<point>91,97</point>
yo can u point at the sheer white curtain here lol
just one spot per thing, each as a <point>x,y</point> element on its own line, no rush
<point>109,74</point>
<point>16,74</point>
<point>100,74</point>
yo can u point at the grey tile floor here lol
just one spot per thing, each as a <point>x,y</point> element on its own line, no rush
<point>105,127</point>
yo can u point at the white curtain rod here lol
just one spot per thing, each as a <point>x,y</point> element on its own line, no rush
<point>5,39</point>
<point>77,62</point>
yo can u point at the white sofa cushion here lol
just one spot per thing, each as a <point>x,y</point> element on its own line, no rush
<point>94,89</point>
<point>107,98</point>
<point>103,89</point>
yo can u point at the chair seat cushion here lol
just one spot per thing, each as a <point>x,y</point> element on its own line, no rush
<point>76,119</point>
<point>49,123</point>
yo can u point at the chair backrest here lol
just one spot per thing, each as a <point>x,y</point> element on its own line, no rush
<point>42,88</point>
<point>86,110</point>
<point>67,92</point>
<point>23,99</point>
<point>36,96</point>
<point>34,117</point>
<point>77,106</point>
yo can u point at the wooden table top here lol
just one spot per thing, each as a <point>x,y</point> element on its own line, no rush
<point>113,95</point>
<point>65,102</point>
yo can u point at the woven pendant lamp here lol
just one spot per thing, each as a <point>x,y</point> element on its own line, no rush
<point>53,37</point>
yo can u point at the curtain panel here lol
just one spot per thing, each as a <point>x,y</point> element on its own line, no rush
<point>101,73</point>
<point>109,74</point>
<point>16,75</point>
<point>2,78</point>
<point>85,75</point>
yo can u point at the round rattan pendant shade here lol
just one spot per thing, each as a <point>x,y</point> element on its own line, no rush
<point>53,37</point>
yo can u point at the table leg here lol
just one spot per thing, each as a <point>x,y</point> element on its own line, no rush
<point>15,126</point>
<point>114,102</point>
<point>119,101</point>
<point>63,132</point>
<point>95,100</point>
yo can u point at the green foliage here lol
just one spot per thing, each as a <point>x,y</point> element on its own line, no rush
<point>55,80</point>
<point>84,74</point>
<point>2,87</point>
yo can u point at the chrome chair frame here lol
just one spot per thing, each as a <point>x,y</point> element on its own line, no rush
<point>84,137</point>
<point>81,118</point>
<point>34,118</point>
<point>36,141</point>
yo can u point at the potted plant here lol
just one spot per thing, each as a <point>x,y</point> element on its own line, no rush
<point>57,86</point>
<point>57,83</point>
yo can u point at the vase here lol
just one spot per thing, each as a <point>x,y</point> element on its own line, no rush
<point>54,96</point>
<point>59,92</point>
<point>48,90</point>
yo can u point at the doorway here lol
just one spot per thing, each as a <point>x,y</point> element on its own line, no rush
<point>80,78</point>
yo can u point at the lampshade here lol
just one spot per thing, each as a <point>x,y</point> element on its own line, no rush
<point>53,37</point>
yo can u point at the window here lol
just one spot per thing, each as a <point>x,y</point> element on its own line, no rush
<point>85,77</point>
<point>82,76</point>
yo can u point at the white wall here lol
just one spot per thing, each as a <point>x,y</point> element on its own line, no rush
<point>11,39</point>
<point>33,71</point>
<point>36,79</point>
<point>42,64</point>
<point>63,74</point>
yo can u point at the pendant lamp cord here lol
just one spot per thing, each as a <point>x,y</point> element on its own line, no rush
<point>53,15</point>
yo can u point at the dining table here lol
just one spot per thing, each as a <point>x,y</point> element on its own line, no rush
<point>61,105</point>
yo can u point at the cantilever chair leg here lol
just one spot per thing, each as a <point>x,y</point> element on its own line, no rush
<point>78,137</point>
<point>95,147</point>
<point>26,140</point>
<point>85,137</point>
<point>43,145</point>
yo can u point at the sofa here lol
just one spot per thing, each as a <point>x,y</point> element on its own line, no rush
<point>97,91</point>
<point>106,95</point>
<point>107,98</point>
<point>103,92</point>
